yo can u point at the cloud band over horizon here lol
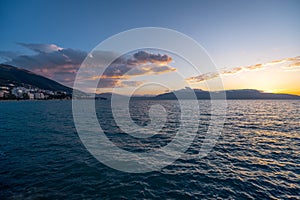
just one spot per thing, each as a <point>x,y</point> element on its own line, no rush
<point>62,64</point>
<point>288,63</point>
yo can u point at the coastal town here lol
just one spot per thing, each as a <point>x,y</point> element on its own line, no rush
<point>27,92</point>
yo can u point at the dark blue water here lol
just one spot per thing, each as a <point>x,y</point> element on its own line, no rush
<point>256,157</point>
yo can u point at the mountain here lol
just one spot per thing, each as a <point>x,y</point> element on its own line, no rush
<point>230,94</point>
<point>107,95</point>
<point>184,94</point>
<point>256,94</point>
<point>20,77</point>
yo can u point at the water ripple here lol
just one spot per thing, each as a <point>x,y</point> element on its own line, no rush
<point>256,157</point>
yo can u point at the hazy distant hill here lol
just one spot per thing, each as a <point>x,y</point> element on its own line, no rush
<point>108,95</point>
<point>19,77</point>
<point>184,94</point>
<point>230,94</point>
<point>256,94</point>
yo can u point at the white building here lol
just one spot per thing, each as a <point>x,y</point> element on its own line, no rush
<point>4,88</point>
<point>3,93</point>
<point>39,95</point>
<point>19,91</point>
<point>30,95</point>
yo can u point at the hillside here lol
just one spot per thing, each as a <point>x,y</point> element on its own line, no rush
<point>19,77</point>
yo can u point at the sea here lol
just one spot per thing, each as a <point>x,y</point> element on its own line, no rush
<point>257,155</point>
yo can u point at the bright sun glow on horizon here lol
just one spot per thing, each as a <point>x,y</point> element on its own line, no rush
<point>272,77</point>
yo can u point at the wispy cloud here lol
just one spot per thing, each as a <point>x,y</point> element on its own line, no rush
<point>41,48</point>
<point>293,67</point>
<point>61,64</point>
<point>202,77</point>
<point>8,55</point>
<point>295,64</point>
<point>287,63</point>
<point>233,70</point>
<point>253,67</point>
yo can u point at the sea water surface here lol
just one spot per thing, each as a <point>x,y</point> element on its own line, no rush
<point>256,157</point>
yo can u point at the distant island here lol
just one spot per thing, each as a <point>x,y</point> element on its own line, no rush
<point>230,94</point>
<point>206,95</point>
<point>21,84</point>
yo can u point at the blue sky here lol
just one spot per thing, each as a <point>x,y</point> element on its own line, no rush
<point>220,26</point>
<point>235,33</point>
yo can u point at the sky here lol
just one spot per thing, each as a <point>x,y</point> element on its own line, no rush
<point>52,38</point>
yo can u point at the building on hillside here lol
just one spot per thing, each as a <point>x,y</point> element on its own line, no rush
<point>4,88</point>
<point>19,91</point>
<point>39,95</point>
<point>30,95</point>
<point>4,93</point>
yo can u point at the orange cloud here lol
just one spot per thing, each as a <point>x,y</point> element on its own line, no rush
<point>290,63</point>
<point>135,71</point>
<point>293,65</point>
<point>253,67</point>
<point>233,71</point>
<point>202,77</point>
